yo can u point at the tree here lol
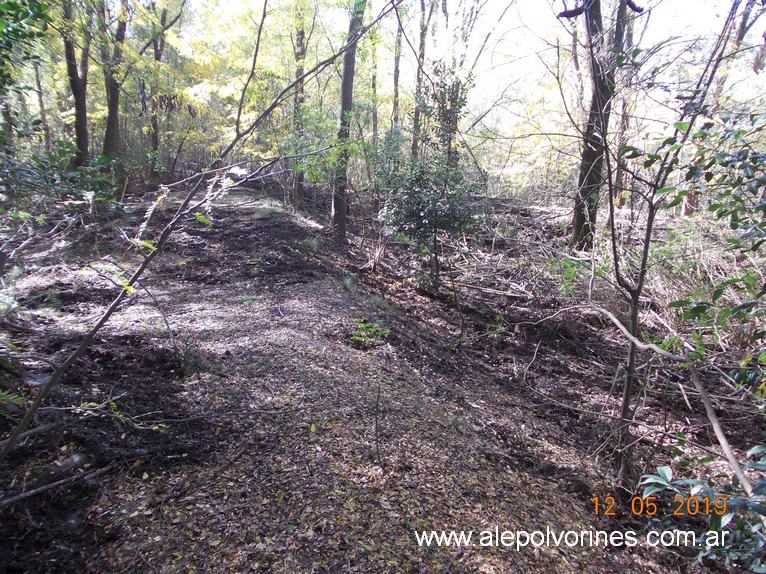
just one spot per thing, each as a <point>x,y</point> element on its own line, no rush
<point>631,267</point>
<point>299,52</point>
<point>158,44</point>
<point>111,51</point>
<point>428,198</point>
<point>78,76</point>
<point>603,58</point>
<point>397,63</point>
<point>21,22</point>
<point>424,23</point>
<point>339,207</point>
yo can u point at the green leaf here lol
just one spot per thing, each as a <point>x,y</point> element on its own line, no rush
<point>662,193</point>
<point>678,199</point>
<point>726,519</point>
<point>649,490</point>
<point>200,217</point>
<point>630,152</point>
<point>760,449</point>
<point>681,126</point>
<point>665,472</point>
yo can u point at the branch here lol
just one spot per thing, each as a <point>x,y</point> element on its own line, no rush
<point>573,13</point>
<point>731,458</point>
<point>30,493</point>
<point>251,75</point>
<point>164,29</point>
<point>77,353</point>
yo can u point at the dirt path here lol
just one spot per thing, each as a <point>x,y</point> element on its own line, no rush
<point>274,442</point>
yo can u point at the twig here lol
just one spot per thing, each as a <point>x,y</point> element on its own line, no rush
<point>33,432</point>
<point>34,492</point>
<point>377,429</point>
<point>223,415</point>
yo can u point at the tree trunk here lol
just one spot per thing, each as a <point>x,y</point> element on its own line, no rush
<point>112,140</point>
<point>43,111</point>
<point>7,114</point>
<point>299,177</point>
<point>619,173</point>
<point>374,90</point>
<point>158,50</point>
<point>622,135</point>
<point>596,130</point>
<point>415,151</point>
<point>397,60</point>
<point>78,83</point>
<point>375,135</point>
<point>339,207</point>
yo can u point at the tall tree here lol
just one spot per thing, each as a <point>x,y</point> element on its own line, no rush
<point>20,23</point>
<point>78,75</point>
<point>157,43</point>
<point>111,57</point>
<point>339,206</point>
<point>299,51</point>
<point>397,61</point>
<point>424,23</point>
<point>603,58</point>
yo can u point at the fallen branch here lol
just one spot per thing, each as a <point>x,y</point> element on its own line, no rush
<point>78,352</point>
<point>33,432</point>
<point>34,492</point>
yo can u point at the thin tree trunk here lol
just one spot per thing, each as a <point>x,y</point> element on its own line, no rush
<point>374,90</point>
<point>299,99</point>
<point>622,135</point>
<point>596,130</point>
<point>415,151</point>
<point>43,111</point>
<point>158,50</point>
<point>619,174</point>
<point>397,60</point>
<point>339,206</point>
<point>7,114</point>
<point>375,134</point>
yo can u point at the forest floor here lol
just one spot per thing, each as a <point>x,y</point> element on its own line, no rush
<point>259,404</point>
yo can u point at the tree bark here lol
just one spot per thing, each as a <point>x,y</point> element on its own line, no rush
<point>78,82</point>
<point>299,190</point>
<point>596,130</point>
<point>112,139</point>
<point>7,113</point>
<point>158,51</point>
<point>43,110</point>
<point>397,60</point>
<point>339,206</point>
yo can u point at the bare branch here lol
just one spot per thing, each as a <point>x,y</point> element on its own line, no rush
<point>573,13</point>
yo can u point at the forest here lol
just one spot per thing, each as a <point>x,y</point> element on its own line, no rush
<point>323,286</point>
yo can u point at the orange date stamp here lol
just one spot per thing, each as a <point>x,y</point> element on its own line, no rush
<point>648,506</point>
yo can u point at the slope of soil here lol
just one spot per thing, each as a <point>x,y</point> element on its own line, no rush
<point>248,421</point>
